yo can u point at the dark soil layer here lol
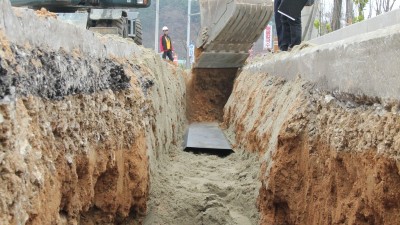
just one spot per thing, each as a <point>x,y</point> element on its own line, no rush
<point>208,91</point>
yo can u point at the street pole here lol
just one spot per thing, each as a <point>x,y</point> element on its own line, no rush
<point>188,34</point>
<point>157,26</point>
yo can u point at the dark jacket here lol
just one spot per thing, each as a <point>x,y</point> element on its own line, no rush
<point>163,43</point>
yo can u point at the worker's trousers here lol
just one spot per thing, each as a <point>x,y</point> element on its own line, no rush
<point>168,54</point>
<point>291,30</point>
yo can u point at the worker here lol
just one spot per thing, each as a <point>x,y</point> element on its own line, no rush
<point>278,25</point>
<point>291,30</point>
<point>166,44</point>
<point>289,26</point>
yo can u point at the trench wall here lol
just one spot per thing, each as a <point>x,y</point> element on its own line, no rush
<point>84,120</point>
<point>325,121</point>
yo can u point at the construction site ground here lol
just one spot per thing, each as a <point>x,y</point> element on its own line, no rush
<point>205,189</point>
<point>92,131</point>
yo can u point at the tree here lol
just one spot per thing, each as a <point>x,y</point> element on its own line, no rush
<point>310,23</point>
<point>384,6</point>
<point>349,12</point>
<point>336,14</point>
<point>360,6</point>
<point>370,9</point>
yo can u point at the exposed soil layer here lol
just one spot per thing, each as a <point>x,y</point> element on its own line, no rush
<point>326,158</point>
<point>77,134</point>
<point>330,187</point>
<point>54,75</point>
<point>208,91</point>
<point>87,124</point>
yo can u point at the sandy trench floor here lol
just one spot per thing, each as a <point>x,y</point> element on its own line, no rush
<point>205,189</point>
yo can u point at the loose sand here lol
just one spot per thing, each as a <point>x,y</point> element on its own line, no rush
<point>205,189</point>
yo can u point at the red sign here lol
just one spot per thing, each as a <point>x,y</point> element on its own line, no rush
<point>268,37</point>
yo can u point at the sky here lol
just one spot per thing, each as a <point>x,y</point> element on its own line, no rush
<point>328,5</point>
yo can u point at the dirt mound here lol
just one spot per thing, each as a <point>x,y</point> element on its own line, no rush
<point>320,150</point>
<point>43,12</point>
<point>208,91</point>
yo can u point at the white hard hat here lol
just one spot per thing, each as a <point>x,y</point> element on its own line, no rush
<point>165,28</point>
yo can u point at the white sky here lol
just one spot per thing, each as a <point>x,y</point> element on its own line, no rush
<point>329,6</point>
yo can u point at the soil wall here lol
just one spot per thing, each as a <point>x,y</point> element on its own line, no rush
<point>327,157</point>
<point>81,133</point>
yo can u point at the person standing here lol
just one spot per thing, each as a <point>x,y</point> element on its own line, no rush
<point>288,12</point>
<point>291,31</point>
<point>166,45</point>
<point>278,24</point>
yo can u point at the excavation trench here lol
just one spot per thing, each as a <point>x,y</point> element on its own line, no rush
<point>207,183</point>
<point>91,132</point>
<point>208,90</point>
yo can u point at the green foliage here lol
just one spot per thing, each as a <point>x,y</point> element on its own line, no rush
<point>317,24</point>
<point>361,6</point>
<point>359,18</point>
<point>323,27</point>
<point>328,27</point>
<point>361,3</point>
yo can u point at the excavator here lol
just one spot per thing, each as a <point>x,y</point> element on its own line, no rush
<point>228,27</point>
<point>102,16</point>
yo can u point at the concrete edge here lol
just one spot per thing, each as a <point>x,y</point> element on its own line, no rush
<point>382,21</point>
<point>366,64</point>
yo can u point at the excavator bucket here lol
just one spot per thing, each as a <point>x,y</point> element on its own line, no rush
<point>229,29</point>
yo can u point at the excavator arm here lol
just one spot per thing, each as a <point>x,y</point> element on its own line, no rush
<point>229,29</point>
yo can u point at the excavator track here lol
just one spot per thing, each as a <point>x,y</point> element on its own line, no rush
<point>138,27</point>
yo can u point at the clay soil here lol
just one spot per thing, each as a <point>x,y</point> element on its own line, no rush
<point>327,158</point>
<point>208,91</point>
<point>45,13</point>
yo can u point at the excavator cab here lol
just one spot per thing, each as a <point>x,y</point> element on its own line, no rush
<point>101,16</point>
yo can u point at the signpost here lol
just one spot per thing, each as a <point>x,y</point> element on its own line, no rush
<point>191,53</point>
<point>156,38</point>
<point>268,38</point>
